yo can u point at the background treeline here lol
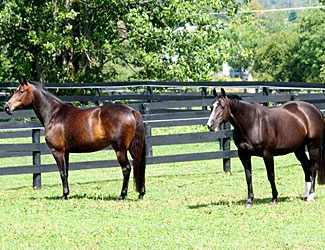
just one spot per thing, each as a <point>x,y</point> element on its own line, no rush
<point>280,46</point>
<point>109,40</point>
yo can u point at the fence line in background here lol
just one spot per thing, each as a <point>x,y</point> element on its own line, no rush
<point>157,112</point>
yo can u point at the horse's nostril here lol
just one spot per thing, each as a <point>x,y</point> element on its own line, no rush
<point>210,128</point>
<point>7,109</point>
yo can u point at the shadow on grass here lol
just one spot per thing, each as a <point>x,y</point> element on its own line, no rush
<point>241,202</point>
<point>86,197</point>
<point>59,184</point>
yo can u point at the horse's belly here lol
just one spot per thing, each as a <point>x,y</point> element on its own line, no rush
<point>87,146</point>
<point>283,151</point>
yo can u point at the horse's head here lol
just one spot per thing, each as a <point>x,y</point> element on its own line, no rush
<point>22,97</point>
<point>220,111</point>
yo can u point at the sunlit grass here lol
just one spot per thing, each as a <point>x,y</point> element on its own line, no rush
<point>189,205</point>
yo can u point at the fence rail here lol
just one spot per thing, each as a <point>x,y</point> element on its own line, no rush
<point>173,84</point>
<point>158,109</point>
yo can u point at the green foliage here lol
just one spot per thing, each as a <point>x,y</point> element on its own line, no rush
<point>280,46</point>
<point>192,54</point>
<point>56,41</point>
<point>311,51</point>
<point>274,58</point>
<point>80,41</point>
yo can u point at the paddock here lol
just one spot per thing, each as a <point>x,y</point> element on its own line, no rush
<point>191,202</point>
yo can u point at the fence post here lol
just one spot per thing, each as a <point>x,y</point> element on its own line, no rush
<point>294,97</point>
<point>97,102</point>
<point>145,110</point>
<point>204,94</point>
<point>226,147</point>
<point>149,92</point>
<point>36,137</point>
<point>221,127</point>
<point>265,93</point>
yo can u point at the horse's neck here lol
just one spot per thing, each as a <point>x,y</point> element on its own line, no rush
<point>45,106</point>
<point>242,116</point>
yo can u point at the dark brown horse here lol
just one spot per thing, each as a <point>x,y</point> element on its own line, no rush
<point>267,132</point>
<point>69,129</point>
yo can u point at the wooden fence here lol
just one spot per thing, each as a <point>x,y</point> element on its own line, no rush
<point>177,105</point>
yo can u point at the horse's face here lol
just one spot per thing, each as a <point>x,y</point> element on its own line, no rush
<point>22,97</point>
<point>220,112</point>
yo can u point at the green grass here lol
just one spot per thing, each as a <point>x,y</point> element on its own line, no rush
<point>191,205</point>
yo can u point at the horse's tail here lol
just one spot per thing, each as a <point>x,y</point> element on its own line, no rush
<point>138,153</point>
<point>321,162</point>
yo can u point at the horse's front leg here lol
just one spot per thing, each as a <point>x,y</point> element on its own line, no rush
<point>269,164</point>
<point>62,160</point>
<point>245,159</point>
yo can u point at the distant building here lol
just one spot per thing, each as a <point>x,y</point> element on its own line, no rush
<point>228,71</point>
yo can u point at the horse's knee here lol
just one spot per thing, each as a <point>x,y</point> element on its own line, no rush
<point>126,170</point>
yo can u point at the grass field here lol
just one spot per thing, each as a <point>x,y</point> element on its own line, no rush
<point>191,205</point>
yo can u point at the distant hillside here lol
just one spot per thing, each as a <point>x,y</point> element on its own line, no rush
<point>287,3</point>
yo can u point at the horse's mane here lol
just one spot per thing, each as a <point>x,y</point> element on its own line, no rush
<point>232,97</point>
<point>44,91</point>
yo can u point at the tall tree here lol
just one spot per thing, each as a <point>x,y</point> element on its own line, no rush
<point>73,40</point>
<point>311,52</point>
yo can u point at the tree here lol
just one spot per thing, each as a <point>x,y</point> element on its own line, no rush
<point>58,40</point>
<point>274,57</point>
<point>311,51</point>
<point>79,41</point>
<point>178,40</point>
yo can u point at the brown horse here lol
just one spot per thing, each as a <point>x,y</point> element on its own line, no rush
<point>69,129</point>
<point>267,132</point>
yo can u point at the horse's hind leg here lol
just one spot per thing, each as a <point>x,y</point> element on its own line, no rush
<point>126,169</point>
<point>302,157</point>
<point>62,160</point>
<point>314,156</point>
<point>137,165</point>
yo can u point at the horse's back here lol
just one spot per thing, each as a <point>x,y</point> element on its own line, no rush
<point>92,129</point>
<point>283,129</point>
<point>307,114</point>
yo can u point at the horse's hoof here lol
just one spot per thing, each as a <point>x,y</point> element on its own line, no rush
<point>311,198</point>
<point>248,205</point>
<point>64,198</point>
<point>273,203</point>
<point>121,198</point>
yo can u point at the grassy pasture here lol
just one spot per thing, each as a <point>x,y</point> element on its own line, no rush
<point>191,205</point>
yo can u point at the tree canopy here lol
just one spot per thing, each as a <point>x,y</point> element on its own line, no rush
<point>281,46</point>
<point>79,41</point>
<point>183,40</point>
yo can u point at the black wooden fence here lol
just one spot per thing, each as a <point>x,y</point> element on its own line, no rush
<point>177,105</point>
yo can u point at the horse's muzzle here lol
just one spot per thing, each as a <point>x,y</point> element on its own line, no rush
<point>210,128</point>
<point>7,109</point>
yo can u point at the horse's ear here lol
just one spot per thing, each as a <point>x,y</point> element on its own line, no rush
<point>22,80</point>
<point>215,94</point>
<point>223,93</point>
